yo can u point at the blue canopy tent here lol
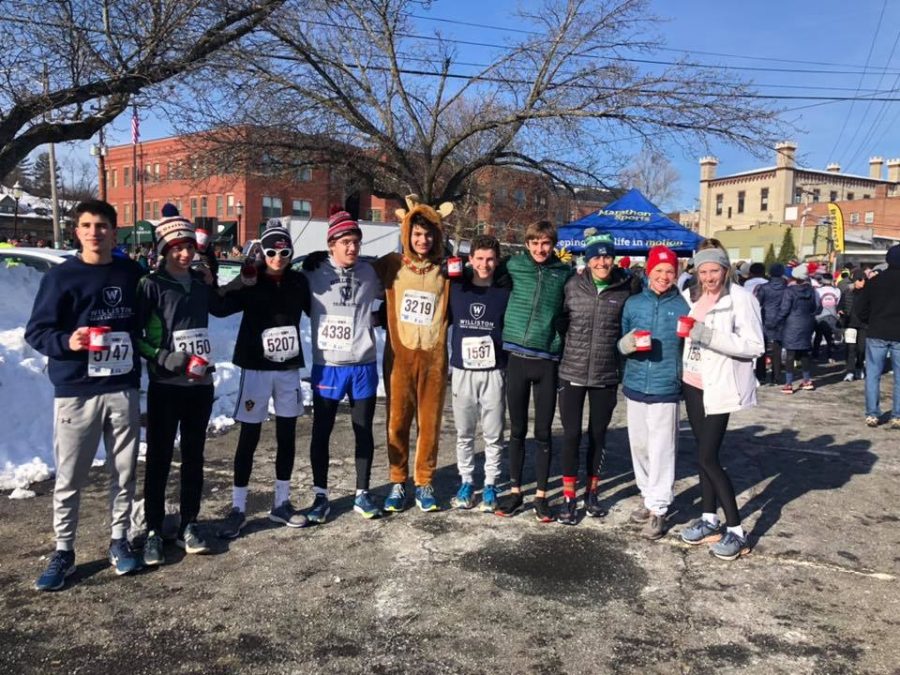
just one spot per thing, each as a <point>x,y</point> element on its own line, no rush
<point>636,225</point>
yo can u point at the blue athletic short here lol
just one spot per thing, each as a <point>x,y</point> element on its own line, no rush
<point>335,382</point>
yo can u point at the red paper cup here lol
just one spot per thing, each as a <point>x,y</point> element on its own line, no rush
<point>685,323</point>
<point>202,238</point>
<point>248,273</point>
<point>98,338</point>
<point>643,340</point>
<point>454,266</point>
<point>196,367</point>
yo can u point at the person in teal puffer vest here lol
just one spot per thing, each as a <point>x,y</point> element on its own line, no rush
<point>652,388</point>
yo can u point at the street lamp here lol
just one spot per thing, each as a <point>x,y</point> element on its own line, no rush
<point>17,195</point>
<point>240,212</point>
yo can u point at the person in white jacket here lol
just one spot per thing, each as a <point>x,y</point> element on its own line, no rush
<point>718,380</point>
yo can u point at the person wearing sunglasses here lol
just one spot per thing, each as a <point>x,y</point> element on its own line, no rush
<point>344,293</point>
<point>270,357</point>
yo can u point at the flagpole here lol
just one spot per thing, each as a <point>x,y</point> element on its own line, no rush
<point>134,139</point>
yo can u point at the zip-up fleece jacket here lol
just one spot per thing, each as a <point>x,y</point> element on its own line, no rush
<point>594,322</point>
<point>654,376</point>
<point>535,304</point>
<point>164,307</point>
<point>348,293</point>
<point>879,305</point>
<point>726,363</point>
<point>76,294</point>
<point>267,304</point>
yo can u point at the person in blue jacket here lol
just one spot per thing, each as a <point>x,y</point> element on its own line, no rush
<point>652,388</point>
<point>799,306</point>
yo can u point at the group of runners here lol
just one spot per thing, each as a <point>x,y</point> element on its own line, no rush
<point>529,329</point>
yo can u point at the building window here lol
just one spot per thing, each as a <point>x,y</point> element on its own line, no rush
<point>229,205</point>
<point>156,172</point>
<point>741,197</point>
<point>832,196</point>
<point>816,195</point>
<point>126,176</point>
<point>500,196</point>
<point>127,212</point>
<point>757,253</point>
<point>203,206</point>
<point>376,215</point>
<point>854,218</point>
<point>719,200</point>
<point>304,174</point>
<point>194,211</point>
<point>271,207</point>
<point>146,212</point>
<point>798,195</point>
<point>764,199</point>
<point>155,210</point>
<point>849,196</point>
<point>178,205</point>
<point>729,212</point>
<point>734,253</point>
<point>220,206</point>
<point>867,196</point>
<point>869,217</point>
<point>519,198</point>
<point>301,208</point>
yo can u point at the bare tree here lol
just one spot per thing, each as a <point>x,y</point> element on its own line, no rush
<point>353,84</point>
<point>653,174</point>
<point>69,67</point>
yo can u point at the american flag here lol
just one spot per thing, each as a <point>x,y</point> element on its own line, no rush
<point>135,128</point>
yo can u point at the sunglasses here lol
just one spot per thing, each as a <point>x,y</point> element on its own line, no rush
<point>283,252</point>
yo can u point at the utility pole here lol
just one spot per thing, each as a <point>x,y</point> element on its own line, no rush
<point>54,202</point>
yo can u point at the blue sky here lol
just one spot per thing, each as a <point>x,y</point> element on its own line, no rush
<point>799,35</point>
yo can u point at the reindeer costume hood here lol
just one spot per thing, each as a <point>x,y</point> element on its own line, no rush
<point>414,214</point>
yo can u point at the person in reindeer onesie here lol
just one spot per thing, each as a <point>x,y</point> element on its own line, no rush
<point>415,355</point>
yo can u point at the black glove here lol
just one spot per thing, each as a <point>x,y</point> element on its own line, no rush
<point>314,260</point>
<point>174,362</point>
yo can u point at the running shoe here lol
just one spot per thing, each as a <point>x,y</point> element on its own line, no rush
<point>509,505</point>
<point>592,506</point>
<point>488,499</point>
<point>807,385</point>
<point>701,532</point>
<point>233,524</point>
<point>318,512</point>
<point>730,547</point>
<point>366,506</point>
<point>542,510</point>
<point>895,423</point>
<point>153,550</point>
<point>191,540</point>
<point>61,566</point>
<point>425,498</point>
<point>655,527</point>
<point>848,377</point>
<point>285,514</point>
<point>464,498</point>
<point>872,420</point>
<point>787,389</point>
<point>122,558</point>
<point>640,515</point>
<point>568,514</point>
<point>396,501</point>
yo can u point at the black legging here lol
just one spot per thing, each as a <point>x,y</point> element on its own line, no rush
<point>601,403</point>
<point>824,329</point>
<point>773,351</point>
<point>522,375</point>
<point>856,352</point>
<point>168,407</point>
<point>285,434</point>
<point>362,412</point>
<point>797,354</point>
<point>709,432</point>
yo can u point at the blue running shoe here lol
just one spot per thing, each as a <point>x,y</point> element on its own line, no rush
<point>319,510</point>
<point>701,532</point>
<point>464,498</point>
<point>123,558</point>
<point>396,501</point>
<point>61,565</point>
<point>365,506</point>
<point>425,498</point>
<point>488,499</point>
<point>730,547</point>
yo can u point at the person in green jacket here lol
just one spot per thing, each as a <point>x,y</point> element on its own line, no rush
<point>532,337</point>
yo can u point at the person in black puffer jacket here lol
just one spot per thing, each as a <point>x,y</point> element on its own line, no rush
<point>769,296</point>
<point>797,317</point>
<point>854,328</point>
<point>590,366</point>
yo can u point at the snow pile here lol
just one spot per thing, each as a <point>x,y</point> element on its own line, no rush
<point>26,395</point>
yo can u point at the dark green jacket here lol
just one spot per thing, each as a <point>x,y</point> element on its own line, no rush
<point>536,303</point>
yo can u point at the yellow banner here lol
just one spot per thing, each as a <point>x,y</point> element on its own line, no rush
<point>837,226</point>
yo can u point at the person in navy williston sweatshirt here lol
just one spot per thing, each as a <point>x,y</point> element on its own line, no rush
<point>84,320</point>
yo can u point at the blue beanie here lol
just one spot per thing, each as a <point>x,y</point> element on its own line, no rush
<point>169,210</point>
<point>893,256</point>
<point>776,270</point>
<point>597,243</point>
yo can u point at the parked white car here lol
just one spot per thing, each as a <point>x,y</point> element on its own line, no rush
<point>41,259</point>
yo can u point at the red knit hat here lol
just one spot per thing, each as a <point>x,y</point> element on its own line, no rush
<point>659,255</point>
<point>341,223</point>
<point>624,262</point>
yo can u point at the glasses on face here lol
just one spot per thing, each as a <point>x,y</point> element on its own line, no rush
<point>280,252</point>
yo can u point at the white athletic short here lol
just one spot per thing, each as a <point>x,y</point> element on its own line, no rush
<point>258,386</point>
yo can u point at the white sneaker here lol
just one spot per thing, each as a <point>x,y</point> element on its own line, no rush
<point>848,377</point>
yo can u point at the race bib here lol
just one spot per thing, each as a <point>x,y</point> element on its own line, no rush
<point>192,341</point>
<point>417,307</point>
<point>335,333</point>
<point>478,353</point>
<point>117,360</point>
<point>692,362</point>
<point>280,344</point>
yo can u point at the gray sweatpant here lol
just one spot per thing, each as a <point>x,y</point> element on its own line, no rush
<point>79,423</point>
<point>473,389</point>
<point>653,436</point>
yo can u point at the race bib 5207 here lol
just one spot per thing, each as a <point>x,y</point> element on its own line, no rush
<point>280,344</point>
